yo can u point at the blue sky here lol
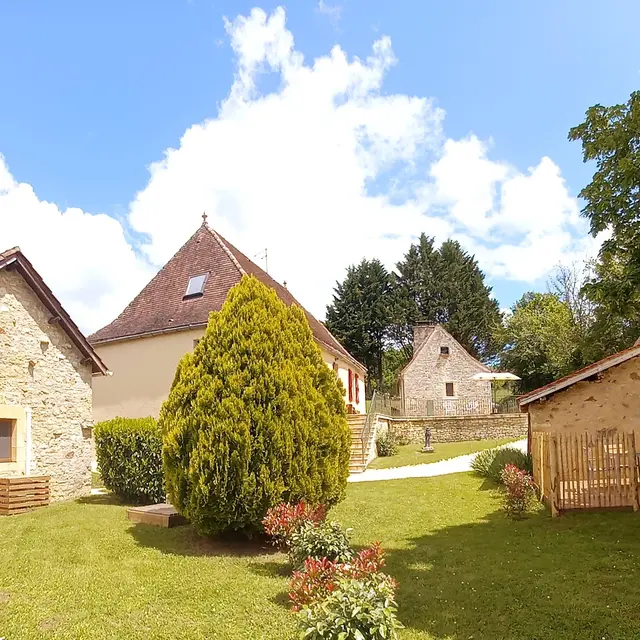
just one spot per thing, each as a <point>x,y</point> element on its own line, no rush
<point>94,93</point>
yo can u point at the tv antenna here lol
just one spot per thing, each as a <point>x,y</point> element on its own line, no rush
<point>263,255</point>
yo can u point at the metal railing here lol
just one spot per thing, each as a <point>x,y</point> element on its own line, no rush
<point>467,406</point>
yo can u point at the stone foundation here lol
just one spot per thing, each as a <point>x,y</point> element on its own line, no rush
<point>460,428</point>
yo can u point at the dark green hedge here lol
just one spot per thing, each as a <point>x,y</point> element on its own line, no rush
<point>129,454</point>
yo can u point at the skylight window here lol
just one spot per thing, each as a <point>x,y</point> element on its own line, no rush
<point>196,285</point>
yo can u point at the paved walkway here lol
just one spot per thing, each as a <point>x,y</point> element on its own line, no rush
<point>441,468</point>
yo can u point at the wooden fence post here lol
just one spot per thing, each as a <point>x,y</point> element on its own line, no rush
<point>553,484</point>
<point>633,471</point>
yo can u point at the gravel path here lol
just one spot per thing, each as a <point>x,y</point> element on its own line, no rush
<point>453,465</point>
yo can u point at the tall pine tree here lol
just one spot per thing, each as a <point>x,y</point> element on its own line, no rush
<point>360,314</point>
<point>445,286</point>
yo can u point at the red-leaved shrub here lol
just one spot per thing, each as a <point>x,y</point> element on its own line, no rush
<point>519,490</point>
<point>321,577</point>
<point>283,520</point>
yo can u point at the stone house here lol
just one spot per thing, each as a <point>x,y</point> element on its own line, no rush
<point>439,378</point>
<point>601,397</point>
<point>46,370</point>
<point>144,344</point>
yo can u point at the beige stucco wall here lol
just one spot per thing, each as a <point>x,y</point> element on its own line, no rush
<point>611,402</point>
<point>143,371</point>
<point>425,377</point>
<point>42,374</point>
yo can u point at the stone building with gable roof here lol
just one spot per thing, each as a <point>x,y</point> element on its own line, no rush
<point>46,371</point>
<point>439,378</point>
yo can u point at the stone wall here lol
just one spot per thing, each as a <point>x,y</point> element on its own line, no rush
<point>460,428</point>
<point>425,377</point>
<point>610,401</point>
<point>42,370</point>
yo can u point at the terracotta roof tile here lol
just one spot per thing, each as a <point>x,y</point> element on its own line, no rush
<point>161,307</point>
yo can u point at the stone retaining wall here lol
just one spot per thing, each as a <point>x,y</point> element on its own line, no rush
<point>460,428</point>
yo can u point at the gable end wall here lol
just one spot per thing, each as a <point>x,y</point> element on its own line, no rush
<point>42,370</point>
<point>426,375</point>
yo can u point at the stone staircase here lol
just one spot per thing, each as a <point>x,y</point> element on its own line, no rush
<point>358,462</point>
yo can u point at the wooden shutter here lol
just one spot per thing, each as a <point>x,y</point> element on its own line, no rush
<point>350,385</point>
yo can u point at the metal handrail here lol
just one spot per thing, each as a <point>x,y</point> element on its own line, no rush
<point>368,425</point>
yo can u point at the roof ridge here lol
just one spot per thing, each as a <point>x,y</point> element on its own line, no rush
<point>225,248</point>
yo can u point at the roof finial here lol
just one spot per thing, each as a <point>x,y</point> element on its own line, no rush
<point>204,217</point>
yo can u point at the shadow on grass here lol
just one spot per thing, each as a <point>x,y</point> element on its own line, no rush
<point>102,499</point>
<point>574,578</point>
<point>186,541</point>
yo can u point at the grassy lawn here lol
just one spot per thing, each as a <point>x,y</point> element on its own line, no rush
<point>81,571</point>
<point>411,454</point>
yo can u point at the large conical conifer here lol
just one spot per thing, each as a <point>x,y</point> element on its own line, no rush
<point>254,417</point>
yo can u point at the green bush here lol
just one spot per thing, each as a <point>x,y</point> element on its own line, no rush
<point>324,540</point>
<point>254,417</point>
<point>129,454</point>
<point>355,610</point>
<point>386,445</point>
<point>491,462</point>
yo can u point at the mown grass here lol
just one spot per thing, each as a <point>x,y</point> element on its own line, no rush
<point>412,453</point>
<point>80,571</point>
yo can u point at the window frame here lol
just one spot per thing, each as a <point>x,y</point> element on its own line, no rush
<point>13,426</point>
<point>350,385</point>
<point>197,294</point>
<point>446,390</point>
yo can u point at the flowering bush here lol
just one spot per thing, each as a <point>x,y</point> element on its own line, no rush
<point>319,540</point>
<point>519,490</point>
<point>283,520</point>
<point>490,462</point>
<point>353,610</point>
<point>321,577</point>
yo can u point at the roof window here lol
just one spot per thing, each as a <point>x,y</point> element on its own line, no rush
<point>196,284</point>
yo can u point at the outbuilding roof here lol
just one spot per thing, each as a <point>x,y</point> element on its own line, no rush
<point>581,374</point>
<point>15,260</point>
<point>163,306</point>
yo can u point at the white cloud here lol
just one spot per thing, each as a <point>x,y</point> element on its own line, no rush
<point>84,258</point>
<point>332,11</point>
<point>323,170</point>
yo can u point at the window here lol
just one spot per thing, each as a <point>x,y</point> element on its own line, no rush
<point>448,389</point>
<point>7,441</point>
<point>335,366</point>
<point>357,385</point>
<point>196,286</point>
<point>444,351</point>
<point>350,385</point>
<point>195,342</point>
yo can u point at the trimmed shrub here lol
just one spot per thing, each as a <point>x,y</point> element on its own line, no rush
<point>283,520</point>
<point>254,417</point>
<point>321,577</point>
<point>129,454</point>
<point>519,491</point>
<point>386,445</point>
<point>325,540</point>
<point>491,462</point>
<point>354,610</point>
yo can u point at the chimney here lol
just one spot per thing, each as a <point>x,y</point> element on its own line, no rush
<point>421,331</point>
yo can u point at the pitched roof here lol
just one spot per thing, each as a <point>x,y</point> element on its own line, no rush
<point>15,260</point>
<point>430,332</point>
<point>579,375</point>
<point>161,307</point>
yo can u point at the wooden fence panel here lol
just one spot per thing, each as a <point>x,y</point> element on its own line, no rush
<point>21,494</point>
<point>586,471</point>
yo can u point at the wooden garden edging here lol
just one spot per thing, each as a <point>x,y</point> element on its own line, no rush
<point>586,471</point>
<point>21,494</point>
